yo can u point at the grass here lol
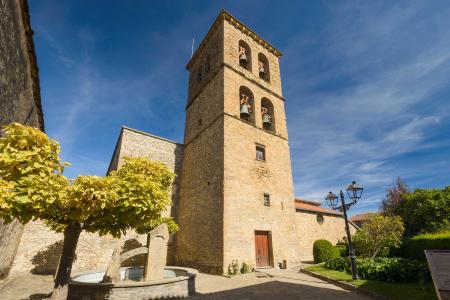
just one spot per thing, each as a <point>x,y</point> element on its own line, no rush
<point>396,291</point>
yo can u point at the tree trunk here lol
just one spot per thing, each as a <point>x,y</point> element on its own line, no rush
<point>71,236</point>
<point>374,254</point>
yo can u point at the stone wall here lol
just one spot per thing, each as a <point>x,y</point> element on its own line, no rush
<point>135,143</point>
<point>310,230</point>
<point>40,248</point>
<point>200,239</point>
<point>19,96</point>
<point>19,82</point>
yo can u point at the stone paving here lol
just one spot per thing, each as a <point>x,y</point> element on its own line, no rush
<point>265,284</point>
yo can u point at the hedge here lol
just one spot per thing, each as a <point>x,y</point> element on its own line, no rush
<point>323,250</point>
<point>388,269</point>
<point>414,247</point>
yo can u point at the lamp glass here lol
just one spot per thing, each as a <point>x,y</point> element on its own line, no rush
<point>354,191</point>
<point>331,199</point>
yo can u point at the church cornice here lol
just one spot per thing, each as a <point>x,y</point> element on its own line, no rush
<point>224,15</point>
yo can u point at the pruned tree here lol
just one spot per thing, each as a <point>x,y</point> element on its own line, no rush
<point>377,234</point>
<point>32,187</point>
<point>395,197</point>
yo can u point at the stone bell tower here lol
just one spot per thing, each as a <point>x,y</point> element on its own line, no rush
<point>236,193</point>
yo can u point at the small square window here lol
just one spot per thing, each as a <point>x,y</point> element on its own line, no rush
<point>260,153</point>
<point>266,199</point>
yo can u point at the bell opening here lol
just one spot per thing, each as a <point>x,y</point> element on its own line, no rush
<point>267,115</point>
<point>245,55</point>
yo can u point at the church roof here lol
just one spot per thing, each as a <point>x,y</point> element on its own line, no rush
<point>224,15</point>
<point>313,206</point>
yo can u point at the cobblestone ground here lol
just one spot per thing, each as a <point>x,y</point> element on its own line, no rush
<point>267,284</point>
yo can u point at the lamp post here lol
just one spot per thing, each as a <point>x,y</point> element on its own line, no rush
<point>354,192</point>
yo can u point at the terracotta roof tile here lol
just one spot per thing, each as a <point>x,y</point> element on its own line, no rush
<point>314,208</point>
<point>315,203</point>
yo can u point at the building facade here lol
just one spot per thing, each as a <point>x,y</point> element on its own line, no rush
<point>315,223</point>
<point>233,194</point>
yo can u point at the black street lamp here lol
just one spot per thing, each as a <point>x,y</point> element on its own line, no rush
<point>354,191</point>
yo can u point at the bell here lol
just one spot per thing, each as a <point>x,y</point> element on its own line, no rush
<point>244,110</point>
<point>266,119</point>
<point>262,74</point>
<point>243,58</point>
<point>261,70</point>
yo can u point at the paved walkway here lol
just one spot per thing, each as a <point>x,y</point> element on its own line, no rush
<point>268,284</point>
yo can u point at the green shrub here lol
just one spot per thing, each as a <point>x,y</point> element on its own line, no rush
<point>245,268</point>
<point>323,251</point>
<point>388,269</point>
<point>233,268</point>
<point>414,247</point>
<point>335,252</point>
<point>338,264</point>
<point>342,250</point>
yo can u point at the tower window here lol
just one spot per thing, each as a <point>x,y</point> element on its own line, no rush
<point>266,199</point>
<point>245,56</point>
<point>246,105</point>
<point>263,67</point>
<point>260,152</point>
<point>267,115</point>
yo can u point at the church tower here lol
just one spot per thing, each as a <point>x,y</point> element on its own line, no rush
<point>236,193</point>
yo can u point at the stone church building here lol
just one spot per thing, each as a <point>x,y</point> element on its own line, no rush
<point>233,195</point>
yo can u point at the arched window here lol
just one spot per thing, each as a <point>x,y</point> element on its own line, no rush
<point>263,67</point>
<point>245,56</point>
<point>267,115</point>
<point>246,104</point>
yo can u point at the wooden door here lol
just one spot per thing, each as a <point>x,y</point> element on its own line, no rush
<point>262,249</point>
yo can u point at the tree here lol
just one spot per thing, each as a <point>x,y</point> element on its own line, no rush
<point>32,187</point>
<point>427,210</point>
<point>395,196</point>
<point>377,234</point>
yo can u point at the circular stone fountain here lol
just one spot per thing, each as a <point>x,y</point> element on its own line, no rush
<point>154,280</point>
<point>177,283</point>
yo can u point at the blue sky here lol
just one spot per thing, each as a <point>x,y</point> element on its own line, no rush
<point>367,83</point>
